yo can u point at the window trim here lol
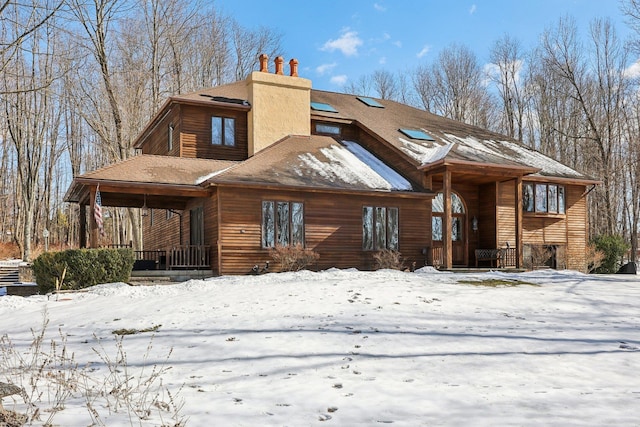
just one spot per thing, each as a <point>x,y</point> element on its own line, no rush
<point>223,140</point>
<point>391,224</point>
<point>536,209</point>
<point>269,238</point>
<point>170,130</point>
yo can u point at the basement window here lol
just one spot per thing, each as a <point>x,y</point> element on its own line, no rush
<point>223,131</point>
<point>370,101</point>
<point>320,106</point>
<point>416,134</point>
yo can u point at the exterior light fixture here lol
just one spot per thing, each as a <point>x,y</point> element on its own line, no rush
<point>474,224</point>
<point>144,211</point>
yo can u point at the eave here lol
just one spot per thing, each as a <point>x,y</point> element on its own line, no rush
<point>134,194</point>
<point>275,187</point>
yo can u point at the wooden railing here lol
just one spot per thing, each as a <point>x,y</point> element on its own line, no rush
<point>190,256</point>
<point>509,257</point>
<point>437,256</point>
<point>182,257</point>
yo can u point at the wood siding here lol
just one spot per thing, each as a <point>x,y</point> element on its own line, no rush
<point>568,232</point>
<point>195,134</point>
<point>157,140</point>
<point>506,214</point>
<point>333,228</point>
<point>163,233</point>
<point>577,227</point>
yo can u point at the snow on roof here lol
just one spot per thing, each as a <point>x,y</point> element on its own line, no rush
<point>353,164</point>
<point>475,148</point>
<point>423,153</point>
<point>204,178</point>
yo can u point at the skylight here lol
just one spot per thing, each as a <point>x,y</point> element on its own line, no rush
<point>370,101</point>
<point>417,134</point>
<point>320,106</point>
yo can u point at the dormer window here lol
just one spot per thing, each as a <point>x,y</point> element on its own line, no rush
<point>328,128</point>
<point>223,131</point>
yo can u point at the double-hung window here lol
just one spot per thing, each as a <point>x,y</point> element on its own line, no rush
<point>380,228</point>
<point>282,224</point>
<point>223,131</point>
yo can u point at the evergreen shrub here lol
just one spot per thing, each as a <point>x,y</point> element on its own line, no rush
<point>614,247</point>
<point>84,268</point>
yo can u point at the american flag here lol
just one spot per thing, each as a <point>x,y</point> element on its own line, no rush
<point>97,211</point>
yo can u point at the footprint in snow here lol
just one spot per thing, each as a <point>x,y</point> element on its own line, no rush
<point>625,346</point>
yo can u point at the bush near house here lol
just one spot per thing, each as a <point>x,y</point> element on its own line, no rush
<point>81,268</point>
<point>613,247</point>
<point>293,258</point>
<point>388,259</point>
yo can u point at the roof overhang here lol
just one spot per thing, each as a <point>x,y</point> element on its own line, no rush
<point>134,194</point>
<point>376,193</point>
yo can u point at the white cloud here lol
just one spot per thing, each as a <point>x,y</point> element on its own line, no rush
<point>382,60</point>
<point>397,43</point>
<point>379,7</point>
<point>347,43</point>
<point>633,71</point>
<point>325,68</point>
<point>472,10</point>
<point>424,51</point>
<point>340,80</point>
<point>386,36</point>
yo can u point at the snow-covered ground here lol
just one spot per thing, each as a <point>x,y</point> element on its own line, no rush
<point>362,348</point>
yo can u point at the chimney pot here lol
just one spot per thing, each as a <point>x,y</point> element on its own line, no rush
<point>264,63</point>
<point>293,64</point>
<point>279,65</point>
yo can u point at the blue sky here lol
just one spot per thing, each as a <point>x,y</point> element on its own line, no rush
<point>337,41</point>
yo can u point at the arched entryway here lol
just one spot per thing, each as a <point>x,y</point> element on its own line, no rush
<point>459,238</point>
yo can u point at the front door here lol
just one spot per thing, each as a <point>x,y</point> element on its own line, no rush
<point>458,227</point>
<point>196,225</point>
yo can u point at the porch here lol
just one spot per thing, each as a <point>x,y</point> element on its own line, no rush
<point>186,257</point>
<point>502,258</point>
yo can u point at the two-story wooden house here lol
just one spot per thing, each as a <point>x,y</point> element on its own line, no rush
<point>239,168</point>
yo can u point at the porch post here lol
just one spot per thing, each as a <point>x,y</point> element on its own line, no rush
<point>83,226</point>
<point>93,225</point>
<point>446,220</point>
<point>519,249</point>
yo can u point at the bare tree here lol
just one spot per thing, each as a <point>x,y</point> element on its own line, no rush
<point>385,84</point>
<point>362,86</point>
<point>249,44</point>
<point>453,87</point>
<point>507,58</point>
<point>29,116</point>
<point>598,87</point>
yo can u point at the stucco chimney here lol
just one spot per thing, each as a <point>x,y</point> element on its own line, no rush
<point>280,105</point>
<point>293,65</point>
<point>279,65</point>
<point>264,63</point>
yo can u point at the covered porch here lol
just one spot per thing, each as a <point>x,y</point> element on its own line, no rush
<point>476,215</point>
<point>148,183</point>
